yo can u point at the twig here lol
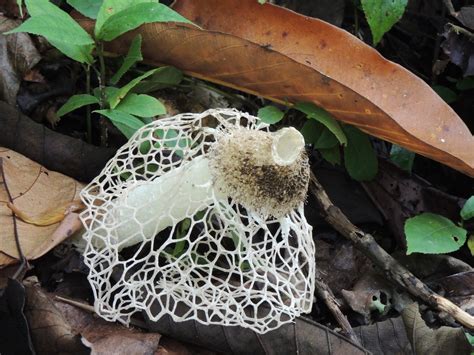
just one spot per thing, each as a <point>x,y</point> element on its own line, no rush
<point>450,7</point>
<point>90,309</point>
<point>324,292</point>
<point>24,262</point>
<point>391,267</point>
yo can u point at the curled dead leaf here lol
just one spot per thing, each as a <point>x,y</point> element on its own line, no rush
<point>34,191</point>
<point>272,52</point>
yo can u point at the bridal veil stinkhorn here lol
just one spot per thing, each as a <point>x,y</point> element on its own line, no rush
<point>200,216</point>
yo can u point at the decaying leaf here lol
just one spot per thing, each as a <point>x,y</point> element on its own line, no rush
<point>50,332</point>
<point>18,56</point>
<point>424,340</point>
<point>459,46</point>
<point>107,338</point>
<point>275,53</point>
<point>386,337</point>
<point>15,336</point>
<point>33,190</point>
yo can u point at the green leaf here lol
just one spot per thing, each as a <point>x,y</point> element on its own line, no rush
<point>141,106</point>
<point>382,15</point>
<point>448,95</point>
<point>430,233</point>
<point>108,90</point>
<point>270,114</point>
<point>321,115</point>
<point>164,77</point>
<point>51,22</point>
<point>39,9</point>
<point>116,97</point>
<point>332,155</point>
<point>359,156</point>
<point>127,124</point>
<point>470,244</point>
<point>318,135</point>
<point>81,54</point>
<point>19,3</point>
<point>135,16</point>
<point>112,7</point>
<point>402,157</point>
<point>467,211</point>
<point>75,102</point>
<point>55,29</point>
<point>134,55</point>
<point>88,8</point>
<point>466,83</point>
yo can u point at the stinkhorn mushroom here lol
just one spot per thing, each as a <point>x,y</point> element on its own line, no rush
<point>210,209</point>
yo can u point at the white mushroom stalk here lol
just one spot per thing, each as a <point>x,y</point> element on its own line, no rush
<point>212,219</point>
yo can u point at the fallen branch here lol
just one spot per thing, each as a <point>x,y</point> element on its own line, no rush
<point>324,293</point>
<point>391,268</point>
<point>53,150</point>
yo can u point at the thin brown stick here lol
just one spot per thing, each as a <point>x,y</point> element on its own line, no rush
<point>24,263</point>
<point>391,267</point>
<point>324,292</point>
<point>90,309</point>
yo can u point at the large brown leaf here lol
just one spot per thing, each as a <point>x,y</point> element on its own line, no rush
<point>275,53</point>
<point>33,190</point>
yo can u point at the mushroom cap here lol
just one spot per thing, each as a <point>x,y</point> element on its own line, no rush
<point>244,167</point>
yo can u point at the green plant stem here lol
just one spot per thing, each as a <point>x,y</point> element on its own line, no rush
<point>102,62</point>
<point>88,108</point>
<point>102,78</point>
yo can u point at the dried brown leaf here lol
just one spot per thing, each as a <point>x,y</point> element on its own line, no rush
<point>18,56</point>
<point>49,330</point>
<point>286,57</point>
<point>108,338</point>
<point>34,190</point>
<point>424,340</point>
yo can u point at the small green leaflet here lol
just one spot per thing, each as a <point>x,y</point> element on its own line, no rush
<point>382,15</point>
<point>467,211</point>
<point>127,124</point>
<point>466,83</point>
<point>19,3</point>
<point>141,105</point>
<point>112,7</point>
<point>163,77</point>
<point>430,233</point>
<point>448,95</point>
<point>270,114</point>
<point>321,115</point>
<point>470,244</point>
<point>75,102</point>
<point>319,135</point>
<point>117,96</point>
<point>135,16</point>
<point>332,155</point>
<point>88,8</point>
<point>402,157</point>
<point>359,156</point>
<point>134,55</point>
